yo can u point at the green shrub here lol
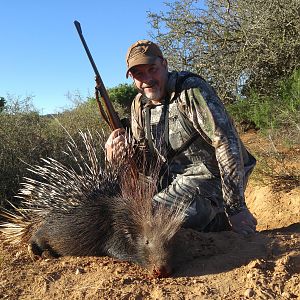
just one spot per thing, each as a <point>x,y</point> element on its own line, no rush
<point>123,95</point>
<point>279,113</point>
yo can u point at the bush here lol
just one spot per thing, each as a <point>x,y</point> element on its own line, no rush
<point>122,95</point>
<point>26,137</point>
<point>22,142</point>
<point>280,113</point>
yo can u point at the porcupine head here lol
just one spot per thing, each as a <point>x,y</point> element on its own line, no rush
<point>148,230</point>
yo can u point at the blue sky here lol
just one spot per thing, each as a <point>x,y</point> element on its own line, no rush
<point>41,53</point>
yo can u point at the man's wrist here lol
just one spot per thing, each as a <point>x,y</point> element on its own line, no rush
<point>234,210</point>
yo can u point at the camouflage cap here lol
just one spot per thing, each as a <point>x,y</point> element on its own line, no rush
<point>142,52</point>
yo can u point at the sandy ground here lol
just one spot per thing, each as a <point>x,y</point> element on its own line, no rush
<point>222,265</point>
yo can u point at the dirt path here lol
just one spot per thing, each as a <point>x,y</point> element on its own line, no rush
<point>207,265</point>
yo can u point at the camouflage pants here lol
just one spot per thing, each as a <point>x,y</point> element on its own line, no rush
<point>204,193</point>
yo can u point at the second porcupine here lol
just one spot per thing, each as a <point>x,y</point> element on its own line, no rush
<point>91,211</point>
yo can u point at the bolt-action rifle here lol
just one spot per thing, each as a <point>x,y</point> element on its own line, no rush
<point>108,112</point>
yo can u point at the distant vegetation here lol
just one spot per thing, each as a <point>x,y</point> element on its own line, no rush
<point>277,113</point>
<point>27,136</point>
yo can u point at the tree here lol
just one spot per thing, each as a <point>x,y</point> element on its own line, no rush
<point>237,45</point>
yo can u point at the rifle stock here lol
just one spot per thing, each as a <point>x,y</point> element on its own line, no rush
<point>109,114</point>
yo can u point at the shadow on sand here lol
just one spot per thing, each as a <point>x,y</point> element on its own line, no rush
<point>199,253</point>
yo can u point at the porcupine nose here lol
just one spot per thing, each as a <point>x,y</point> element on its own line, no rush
<point>161,272</point>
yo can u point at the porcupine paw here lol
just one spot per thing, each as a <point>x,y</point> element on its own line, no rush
<point>35,252</point>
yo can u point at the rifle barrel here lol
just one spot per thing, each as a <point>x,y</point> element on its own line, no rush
<point>78,27</point>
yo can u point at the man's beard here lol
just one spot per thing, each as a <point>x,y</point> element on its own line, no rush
<point>155,94</point>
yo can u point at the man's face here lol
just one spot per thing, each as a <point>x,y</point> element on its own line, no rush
<point>151,79</point>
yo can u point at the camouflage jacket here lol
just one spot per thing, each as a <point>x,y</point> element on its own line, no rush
<point>217,152</point>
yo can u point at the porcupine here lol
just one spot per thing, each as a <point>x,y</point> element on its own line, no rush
<point>91,211</point>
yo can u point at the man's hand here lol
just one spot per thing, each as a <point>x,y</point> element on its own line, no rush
<point>115,144</point>
<point>243,222</point>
